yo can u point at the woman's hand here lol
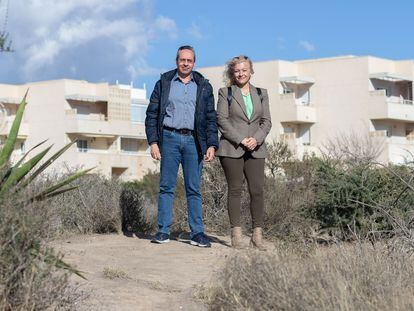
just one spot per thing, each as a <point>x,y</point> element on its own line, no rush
<point>244,142</point>
<point>251,143</point>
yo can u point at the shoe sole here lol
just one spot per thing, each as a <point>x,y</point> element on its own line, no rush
<point>194,243</point>
<point>160,242</point>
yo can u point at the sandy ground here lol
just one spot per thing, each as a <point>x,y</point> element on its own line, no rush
<point>130,273</point>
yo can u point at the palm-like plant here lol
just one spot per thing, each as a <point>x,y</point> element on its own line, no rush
<point>17,177</point>
<point>20,175</point>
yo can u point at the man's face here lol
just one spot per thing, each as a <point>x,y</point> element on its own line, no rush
<point>185,62</point>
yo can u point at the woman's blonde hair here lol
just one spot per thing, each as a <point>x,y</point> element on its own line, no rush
<point>229,71</point>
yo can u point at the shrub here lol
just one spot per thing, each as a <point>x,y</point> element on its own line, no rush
<point>31,275</point>
<point>137,207</point>
<point>94,207</point>
<point>29,270</point>
<point>343,277</point>
<point>346,196</point>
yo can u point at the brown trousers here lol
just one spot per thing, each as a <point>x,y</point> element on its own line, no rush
<point>236,169</point>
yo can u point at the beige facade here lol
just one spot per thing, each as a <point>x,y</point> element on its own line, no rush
<point>107,120</point>
<point>316,101</point>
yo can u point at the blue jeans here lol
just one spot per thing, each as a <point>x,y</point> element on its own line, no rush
<point>177,148</point>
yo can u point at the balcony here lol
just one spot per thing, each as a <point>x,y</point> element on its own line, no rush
<point>110,152</point>
<point>99,125</point>
<point>296,145</point>
<point>382,107</point>
<point>295,110</point>
<point>86,98</point>
<point>395,149</point>
<point>6,125</point>
<point>10,100</point>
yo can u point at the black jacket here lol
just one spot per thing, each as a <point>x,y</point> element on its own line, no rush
<point>205,123</point>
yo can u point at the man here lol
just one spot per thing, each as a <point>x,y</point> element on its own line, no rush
<point>181,128</point>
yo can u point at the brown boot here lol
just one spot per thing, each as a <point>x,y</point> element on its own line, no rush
<point>257,239</point>
<point>236,237</point>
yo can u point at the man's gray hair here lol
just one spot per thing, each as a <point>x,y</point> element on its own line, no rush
<point>185,47</point>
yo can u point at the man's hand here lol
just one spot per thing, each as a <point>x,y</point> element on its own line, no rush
<point>251,143</point>
<point>210,154</point>
<point>155,152</point>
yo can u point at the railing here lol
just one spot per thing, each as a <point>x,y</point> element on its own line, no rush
<point>91,150</point>
<point>112,152</point>
<point>287,136</point>
<point>391,99</point>
<point>380,133</point>
<point>291,97</point>
<point>87,117</point>
<point>303,102</point>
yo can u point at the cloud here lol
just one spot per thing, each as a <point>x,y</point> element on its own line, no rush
<point>141,68</point>
<point>167,25</point>
<point>56,36</point>
<point>195,31</point>
<point>307,45</point>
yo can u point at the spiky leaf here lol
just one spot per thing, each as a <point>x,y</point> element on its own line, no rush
<point>8,147</point>
<point>46,164</point>
<point>64,182</point>
<point>18,173</point>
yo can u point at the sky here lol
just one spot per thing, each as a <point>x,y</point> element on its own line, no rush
<point>136,40</point>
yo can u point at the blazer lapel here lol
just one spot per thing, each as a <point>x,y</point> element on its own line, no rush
<point>255,100</point>
<point>237,95</point>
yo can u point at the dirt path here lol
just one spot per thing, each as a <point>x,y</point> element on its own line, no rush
<point>129,273</point>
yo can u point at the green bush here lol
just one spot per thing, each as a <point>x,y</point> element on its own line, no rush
<point>348,197</point>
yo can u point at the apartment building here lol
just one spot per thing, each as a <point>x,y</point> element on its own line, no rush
<point>316,101</point>
<point>106,120</point>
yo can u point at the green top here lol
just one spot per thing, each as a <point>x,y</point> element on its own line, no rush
<point>249,104</point>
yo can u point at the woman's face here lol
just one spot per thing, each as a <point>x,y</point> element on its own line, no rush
<point>242,73</point>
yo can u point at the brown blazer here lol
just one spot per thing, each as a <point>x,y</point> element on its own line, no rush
<point>234,124</point>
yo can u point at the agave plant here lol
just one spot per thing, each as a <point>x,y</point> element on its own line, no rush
<point>18,177</point>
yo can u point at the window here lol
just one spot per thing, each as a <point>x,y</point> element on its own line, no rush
<point>82,145</point>
<point>387,91</point>
<point>305,99</point>
<point>138,112</point>
<point>129,145</point>
<point>306,136</point>
<point>22,147</point>
<point>287,90</point>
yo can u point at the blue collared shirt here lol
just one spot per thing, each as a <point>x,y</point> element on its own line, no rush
<point>181,104</point>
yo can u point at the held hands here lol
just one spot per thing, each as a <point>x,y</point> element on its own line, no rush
<point>155,152</point>
<point>250,143</point>
<point>210,154</point>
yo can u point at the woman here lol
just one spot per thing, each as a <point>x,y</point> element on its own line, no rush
<point>243,118</point>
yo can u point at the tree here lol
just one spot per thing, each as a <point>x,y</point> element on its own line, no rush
<point>5,42</point>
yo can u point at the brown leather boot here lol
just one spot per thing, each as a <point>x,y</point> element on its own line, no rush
<point>257,239</point>
<point>236,237</point>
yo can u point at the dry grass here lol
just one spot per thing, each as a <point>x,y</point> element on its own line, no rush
<point>114,273</point>
<point>29,275</point>
<point>342,277</point>
<point>92,208</point>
